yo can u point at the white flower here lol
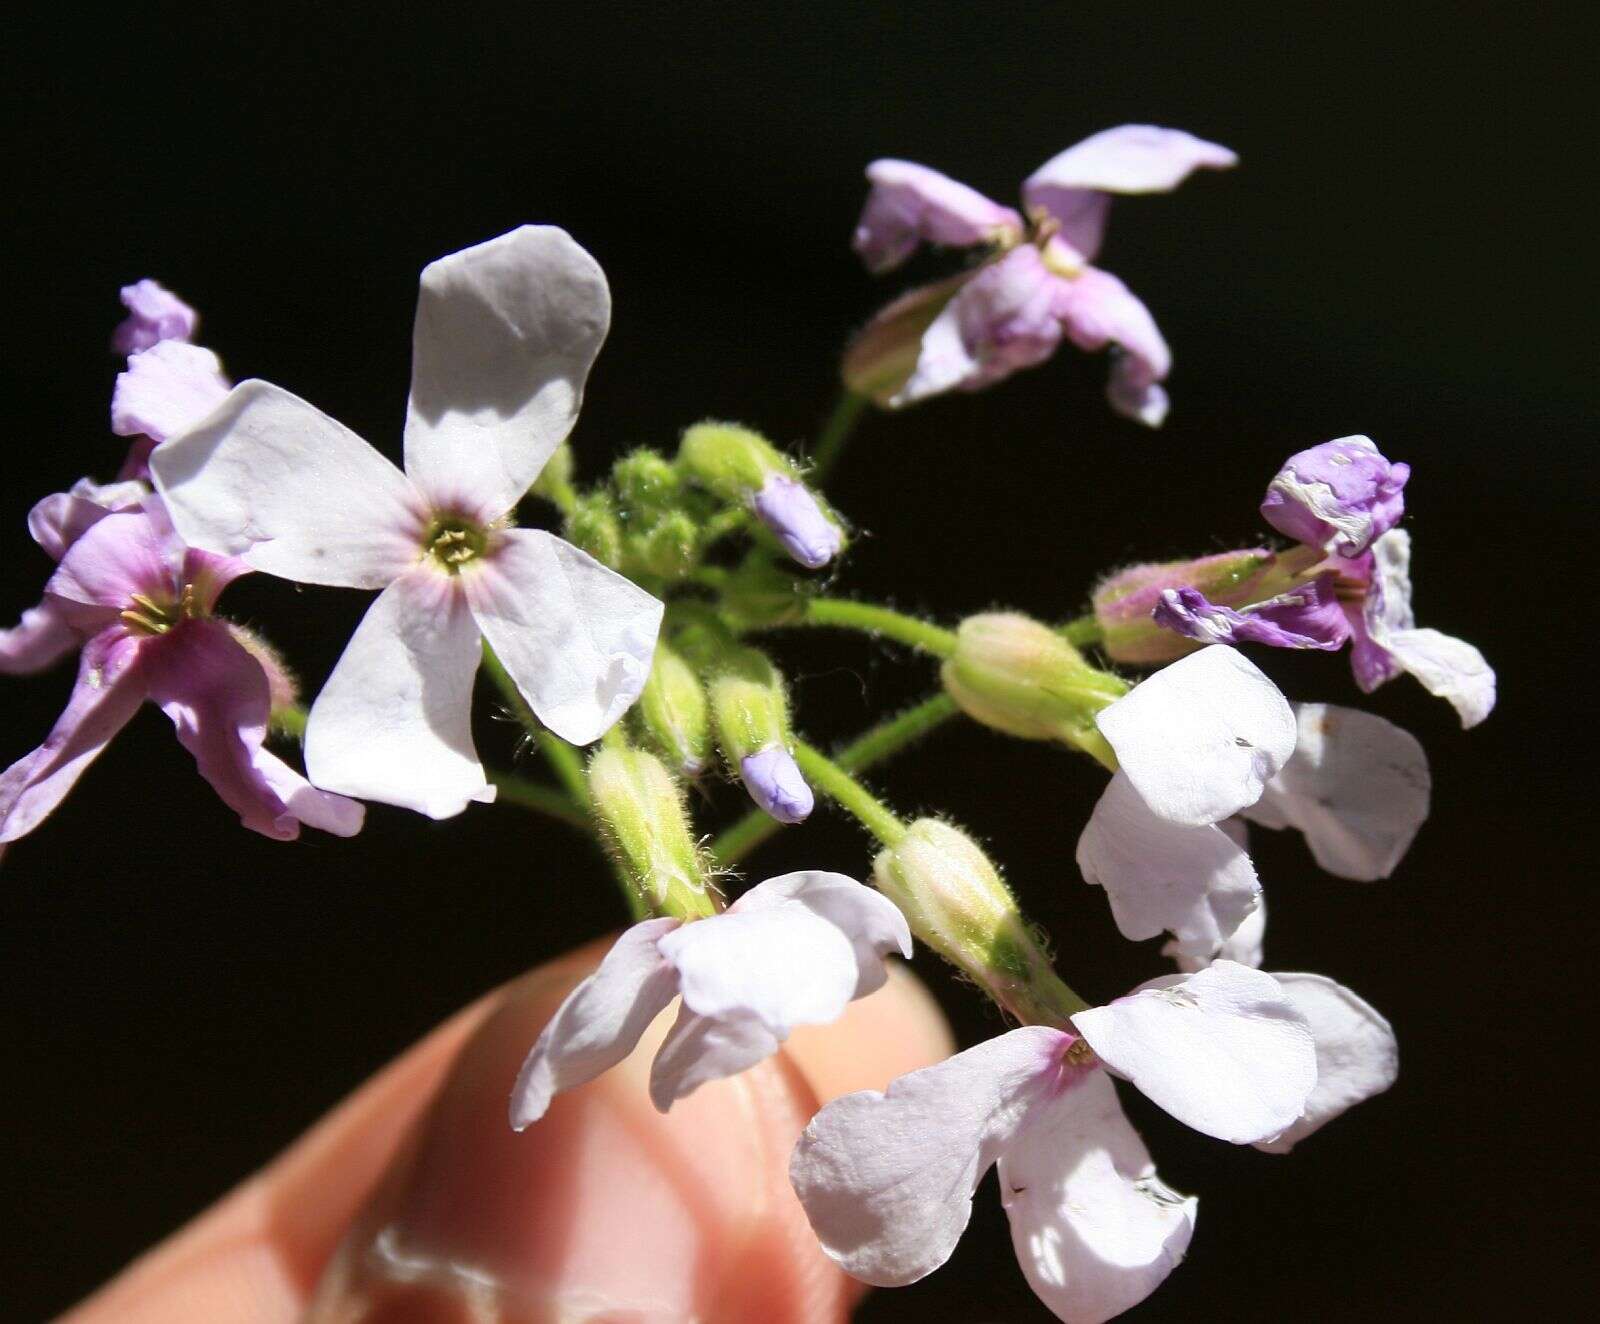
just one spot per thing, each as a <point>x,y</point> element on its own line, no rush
<point>887,1178</point>
<point>793,950</point>
<point>1196,742</point>
<point>505,336</point>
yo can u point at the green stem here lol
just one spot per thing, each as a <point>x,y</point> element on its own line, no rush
<point>868,749</point>
<point>873,619</point>
<point>564,760</point>
<point>1084,630</point>
<point>543,799</point>
<point>289,721</point>
<point>849,794</point>
<point>835,432</point>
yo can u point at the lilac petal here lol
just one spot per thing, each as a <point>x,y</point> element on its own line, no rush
<point>700,1049</point>
<point>870,921</point>
<point>787,508</point>
<point>1193,881</point>
<point>1133,158</point>
<point>60,519</point>
<point>1309,616</point>
<point>1094,1228</point>
<point>1357,1055</point>
<point>1357,786</point>
<point>42,637</point>
<point>600,1021</point>
<point>109,689</point>
<point>777,785</point>
<point>1201,737</point>
<point>1002,320</point>
<point>127,552</point>
<point>166,390</point>
<point>1223,1050</point>
<point>887,1179</point>
<point>881,359</point>
<point>155,314</point>
<point>910,205</point>
<point>1098,310</point>
<point>1337,497</point>
<point>323,810</point>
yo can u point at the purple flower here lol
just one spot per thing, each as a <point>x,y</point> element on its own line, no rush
<point>1305,617</point>
<point>1013,310</point>
<point>787,508</point>
<point>155,314</point>
<point>776,784</point>
<point>1337,497</point>
<point>142,603</point>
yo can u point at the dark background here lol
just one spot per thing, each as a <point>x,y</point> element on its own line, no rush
<point>1399,254</point>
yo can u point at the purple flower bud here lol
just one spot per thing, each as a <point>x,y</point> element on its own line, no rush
<point>1305,617</point>
<point>1337,497</point>
<point>1123,602</point>
<point>155,314</point>
<point>790,511</point>
<point>773,779</point>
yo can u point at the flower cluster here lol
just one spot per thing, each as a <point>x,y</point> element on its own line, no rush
<point>640,628</point>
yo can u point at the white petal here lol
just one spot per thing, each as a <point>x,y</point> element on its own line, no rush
<point>780,964</point>
<point>506,333</point>
<point>1194,882</point>
<point>887,1179</point>
<point>1201,737</point>
<point>1223,1050</point>
<point>699,1049</point>
<point>600,1021</point>
<point>167,388</point>
<point>1243,945</point>
<point>1357,786</point>
<point>1357,1056</point>
<point>576,637</point>
<point>1448,667</point>
<point>1094,1228</point>
<point>393,723</point>
<point>872,923</point>
<point>272,480</point>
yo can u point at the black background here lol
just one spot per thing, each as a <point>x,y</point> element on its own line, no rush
<point>1399,254</point>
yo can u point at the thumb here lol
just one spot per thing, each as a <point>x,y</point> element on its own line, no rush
<point>606,1209</point>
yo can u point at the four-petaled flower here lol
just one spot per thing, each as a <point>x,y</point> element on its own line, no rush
<point>505,336</point>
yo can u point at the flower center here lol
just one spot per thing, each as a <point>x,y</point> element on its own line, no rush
<point>1078,1054</point>
<point>454,540</point>
<point>145,615</point>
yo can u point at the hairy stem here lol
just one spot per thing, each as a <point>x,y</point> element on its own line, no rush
<point>849,794</point>
<point>885,622</point>
<point>547,800</point>
<point>835,433</point>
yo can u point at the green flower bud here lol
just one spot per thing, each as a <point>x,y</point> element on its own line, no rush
<point>1021,677</point>
<point>731,461</point>
<point>639,805</point>
<point>283,686</point>
<point>667,548</point>
<point>673,710</point>
<point>594,527</point>
<point>647,484</point>
<point>748,705</point>
<point>759,595</point>
<point>956,902</point>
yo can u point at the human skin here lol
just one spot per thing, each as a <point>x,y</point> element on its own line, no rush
<point>413,1201</point>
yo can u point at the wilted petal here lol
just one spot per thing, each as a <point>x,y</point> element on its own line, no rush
<point>109,689</point>
<point>700,1049</point>
<point>1191,880</point>
<point>1201,737</point>
<point>1098,310</point>
<point>1132,158</point>
<point>911,205</point>
<point>1309,616</point>
<point>780,963</point>
<point>577,638</point>
<point>1001,320</point>
<point>1357,1056</point>
<point>887,1179</point>
<point>1223,1050</point>
<point>155,314</point>
<point>506,333</point>
<point>1243,945</point>
<point>777,785</point>
<point>870,921</point>
<point>600,1021</point>
<point>1095,1230</point>
<point>1337,497</point>
<point>394,721</point>
<point>275,481</point>
<point>1357,787</point>
<point>165,390</point>
<point>43,636</point>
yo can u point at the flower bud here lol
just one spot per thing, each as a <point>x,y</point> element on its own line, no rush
<point>673,710</point>
<point>759,595</point>
<point>666,548</point>
<point>640,809</point>
<point>283,686</point>
<point>647,484</point>
<point>956,902</point>
<point>1123,602</point>
<point>593,527</point>
<point>751,714</point>
<point>1021,677</point>
<point>786,506</point>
